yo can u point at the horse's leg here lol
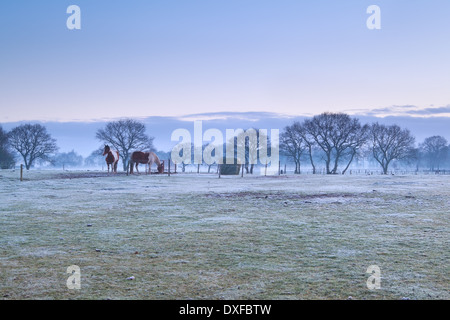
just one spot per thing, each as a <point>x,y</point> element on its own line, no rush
<point>137,170</point>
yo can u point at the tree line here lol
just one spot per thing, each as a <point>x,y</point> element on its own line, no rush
<point>333,140</point>
<point>31,143</point>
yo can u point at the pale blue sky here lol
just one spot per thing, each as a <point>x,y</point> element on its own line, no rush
<point>170,58</point>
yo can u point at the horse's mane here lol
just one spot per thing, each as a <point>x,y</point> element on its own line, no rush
<point>158,162</point>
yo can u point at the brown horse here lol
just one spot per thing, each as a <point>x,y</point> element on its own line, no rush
<point>112,158</point>
<point>147,158</point>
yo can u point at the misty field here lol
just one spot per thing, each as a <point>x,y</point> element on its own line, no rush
<point>192,236</point>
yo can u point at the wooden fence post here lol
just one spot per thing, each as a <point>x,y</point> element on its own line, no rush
<point>242,170</point>
<point>265,170</point>
<point>168,170</point>
<point>21,172</point>
<point>219,171</point>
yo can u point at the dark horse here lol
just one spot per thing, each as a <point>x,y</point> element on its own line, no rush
<point>147,158</point>
<point>112,158</point>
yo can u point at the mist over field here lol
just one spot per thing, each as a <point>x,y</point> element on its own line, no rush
<point>80,136</point>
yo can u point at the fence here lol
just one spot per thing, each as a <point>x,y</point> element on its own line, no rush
<point>284,169</point>
<point>261,170</point>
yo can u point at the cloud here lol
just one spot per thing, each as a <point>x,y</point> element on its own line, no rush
<point>245,116</point>
<point>431,111</point>
<point>405,110</point>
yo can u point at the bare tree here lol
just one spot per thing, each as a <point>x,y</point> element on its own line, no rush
<point>310,143</point>
<point>294,144</point>
<point>435,151</point>
<point>355,141</point>
<point>390,143</point>
<point>68,159</point>
<point>32,142</point>
<point>338,136</point>
<point>126,136</point>
<point>185,152</point>
<point>95,159</point>
<point>248,146</point>
<point>6,157</point>
<point>213,154</point>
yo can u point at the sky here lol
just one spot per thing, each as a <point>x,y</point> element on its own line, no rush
<point>175,58</point>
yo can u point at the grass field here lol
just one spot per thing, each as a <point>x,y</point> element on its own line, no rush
<point>199,237</point>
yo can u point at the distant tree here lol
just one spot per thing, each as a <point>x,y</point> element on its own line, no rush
<point>448,156</point>
<point>248,146</point>
<point>293,143</point>
<point>32,142</point>
<point>213,154</point>
<point>390,143</point>
<point>312,148</point>
<point>68,159</point>
<point>7,160</point>
<point>126,136</point>
<point>338,136</point>
<point>95,159</point>
<point>434,150</point>
<point>415,159</point>
<point>185,151</point>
